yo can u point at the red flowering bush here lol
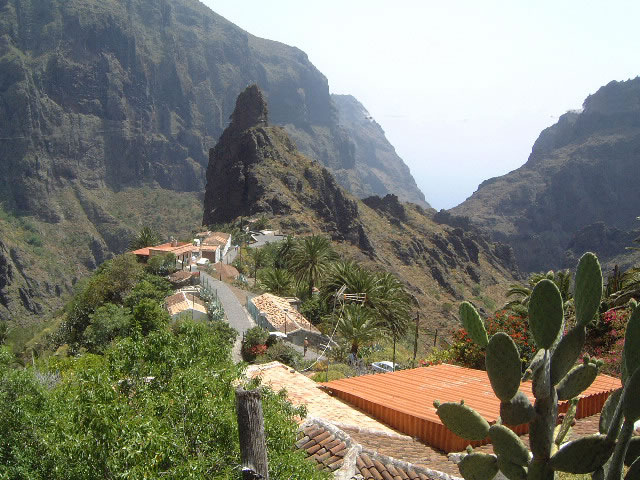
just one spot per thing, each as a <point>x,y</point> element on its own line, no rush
<point>466,353</point>
<point>258,350</point>
<point>605,339</point>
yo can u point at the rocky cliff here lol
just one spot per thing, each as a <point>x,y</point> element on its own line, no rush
<point>578,190</point>
<point>255,169</point>
<point>111,93</point>
<point>378,170</point>
<point>108,109</point>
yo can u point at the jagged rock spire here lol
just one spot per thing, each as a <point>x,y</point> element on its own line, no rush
<point>251,109</point>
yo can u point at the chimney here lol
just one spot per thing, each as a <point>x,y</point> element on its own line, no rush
<point>174,242</point>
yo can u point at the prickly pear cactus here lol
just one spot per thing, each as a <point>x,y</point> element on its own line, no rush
<point>555,377</point>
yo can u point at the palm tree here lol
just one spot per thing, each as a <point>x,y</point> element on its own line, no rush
<point>283,252</point>
<point>277,281</point>
<point>358,326</point>
<point>392,304</point>
<point>146,237</point>
<point>259,257</point>
<point>520,304</point>
<point>310,259</point>
<point>355,278</point>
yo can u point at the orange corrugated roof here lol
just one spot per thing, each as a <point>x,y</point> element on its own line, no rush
<point>413,391</point>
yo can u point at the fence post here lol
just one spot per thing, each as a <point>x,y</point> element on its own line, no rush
<point>253,448</point>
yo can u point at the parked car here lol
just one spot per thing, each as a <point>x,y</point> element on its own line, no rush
<point>384,366</point>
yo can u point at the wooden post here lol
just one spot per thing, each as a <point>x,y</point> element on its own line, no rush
<point>435,338</point>
<point>253,448</point>
<point>415,341</point>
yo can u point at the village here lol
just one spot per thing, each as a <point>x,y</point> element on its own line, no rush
<point>378,424</point>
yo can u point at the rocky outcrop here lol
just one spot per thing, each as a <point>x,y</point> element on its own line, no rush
<point>389,205</point>
<point>256,169</point>
<point>578,190</point>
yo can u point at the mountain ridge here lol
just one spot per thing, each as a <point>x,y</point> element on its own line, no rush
<point>580,177</point>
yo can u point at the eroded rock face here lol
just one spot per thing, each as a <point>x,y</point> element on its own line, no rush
<point>123,94</point>
<point>256,169</point>
<point>578,189</point>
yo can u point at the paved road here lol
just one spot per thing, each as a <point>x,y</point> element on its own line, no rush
<point>236,314</point>
<point>239,318</point>
<point>261,240</point>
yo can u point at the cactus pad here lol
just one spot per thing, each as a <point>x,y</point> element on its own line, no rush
<point>473,324</point>
<point>541,382</point>
<point>508,445</point>
<point>535,363</point>
<point>631,405</point>
<point>478,466</point>
<point>503,366</point>
<point>463,421</point>
<point>545,313</point>
<point>511,470</point>
<point>588,291</point>
<point>577,381</point>
<point>566,353</point>
<point>609,410</point>
<point>631,352</point>
<point>584,455</point>
<point>633,451</point>
<point>634,471</point>
<point>517,411</point>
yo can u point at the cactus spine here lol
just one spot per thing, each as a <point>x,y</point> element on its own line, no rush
<point>555,378</point>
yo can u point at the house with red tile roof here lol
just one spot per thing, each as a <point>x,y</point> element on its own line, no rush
<point>214,245</point>
<point>182,250</point>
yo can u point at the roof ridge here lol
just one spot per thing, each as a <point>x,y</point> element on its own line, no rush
<point>349,470</point>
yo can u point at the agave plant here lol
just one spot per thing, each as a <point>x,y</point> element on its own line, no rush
<point>556,377</point>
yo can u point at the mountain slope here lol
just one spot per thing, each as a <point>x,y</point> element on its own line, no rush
<point>107,111</point>
<point>255,169</point>
<point>578,190</point>
<point>378,168</point>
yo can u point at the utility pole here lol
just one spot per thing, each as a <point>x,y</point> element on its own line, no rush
<point>394,352</point>
<point>253,447</point>
<point>415,341</point>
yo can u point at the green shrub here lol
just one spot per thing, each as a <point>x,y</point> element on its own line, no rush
<point>284,353</point>
<point>254,344</point>
<point>151,407</point>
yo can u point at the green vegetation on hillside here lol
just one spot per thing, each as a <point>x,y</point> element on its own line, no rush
<point>130,394</point>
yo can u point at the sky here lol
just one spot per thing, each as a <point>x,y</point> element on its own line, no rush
<point>461,88</point>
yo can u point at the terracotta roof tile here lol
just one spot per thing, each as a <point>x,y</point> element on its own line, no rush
<point>217,238</point>
<point>279,311</point>
<point>181,248</point>
<point>181,302</point>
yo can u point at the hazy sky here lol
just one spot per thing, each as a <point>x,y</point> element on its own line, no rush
<point>461,88</point>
